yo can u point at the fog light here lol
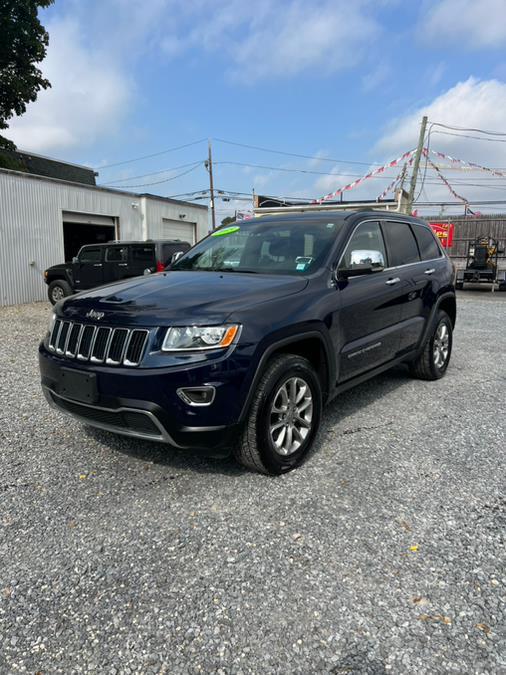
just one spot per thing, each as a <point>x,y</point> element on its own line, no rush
<point>197,395</point>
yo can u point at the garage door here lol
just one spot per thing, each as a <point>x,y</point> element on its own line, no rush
<point>80,229</point>
<point>175,229</point>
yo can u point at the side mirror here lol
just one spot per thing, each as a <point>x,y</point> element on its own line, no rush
<point>75,259</point>
<point>176,256</point>
<point>363,261</point>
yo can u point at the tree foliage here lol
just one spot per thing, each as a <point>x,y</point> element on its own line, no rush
<point>23,44</point>
<point>228,220</point>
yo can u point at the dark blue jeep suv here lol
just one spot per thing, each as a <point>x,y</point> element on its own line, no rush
<point>242,341</point>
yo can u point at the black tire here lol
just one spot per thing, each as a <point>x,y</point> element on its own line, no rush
<point>428,366</point>
<point>256,448</point>
<point>58,290</point>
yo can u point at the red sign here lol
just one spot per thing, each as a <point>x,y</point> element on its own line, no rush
<point>444,232</point>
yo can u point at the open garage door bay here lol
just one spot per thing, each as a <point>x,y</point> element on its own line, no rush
<point>83,228</point>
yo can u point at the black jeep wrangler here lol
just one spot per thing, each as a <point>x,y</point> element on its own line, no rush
<point>99,264</point>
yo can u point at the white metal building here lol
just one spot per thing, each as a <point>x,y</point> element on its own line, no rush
<point>43,220</point>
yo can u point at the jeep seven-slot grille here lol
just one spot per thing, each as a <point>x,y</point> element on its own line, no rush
<point>98,344</point>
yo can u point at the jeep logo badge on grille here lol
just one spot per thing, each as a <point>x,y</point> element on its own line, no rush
<point>92,314</point>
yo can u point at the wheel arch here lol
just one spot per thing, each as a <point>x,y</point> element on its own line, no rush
<point>448,304</point>
<point>311,346</point>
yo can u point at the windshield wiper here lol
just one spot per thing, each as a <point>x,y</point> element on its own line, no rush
<point>234,269</point>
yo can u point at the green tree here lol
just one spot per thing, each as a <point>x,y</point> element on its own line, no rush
<point>228,220</point>
<point>23,44</point>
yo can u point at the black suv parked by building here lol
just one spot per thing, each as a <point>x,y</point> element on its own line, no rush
<point>246,337</point>
<point>99,264</point>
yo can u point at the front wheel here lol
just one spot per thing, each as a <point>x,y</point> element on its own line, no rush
<point>283,418</point>
<point>432,363</point>
<point>58,290</point>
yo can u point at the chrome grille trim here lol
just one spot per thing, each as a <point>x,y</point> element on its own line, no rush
<point>95,353</point>
<point>133,333</point>
<point>99,331</point>
<point>65,326</point>
<point>53,340</point>
<point>117,331</point>
<point>80,328</point>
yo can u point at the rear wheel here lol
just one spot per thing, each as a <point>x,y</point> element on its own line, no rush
<point>284,416</point>
<point>58,290</point>
<point>433,361</point>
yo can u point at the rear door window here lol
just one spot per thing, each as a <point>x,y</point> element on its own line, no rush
<point>427,244</point>
<point>116,254</point>
<point>401,243</point>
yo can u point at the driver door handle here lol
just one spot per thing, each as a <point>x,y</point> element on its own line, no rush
<point>97,264</point>
<point>393,281</point>
<point>431,271</point>
<point>122,264</point>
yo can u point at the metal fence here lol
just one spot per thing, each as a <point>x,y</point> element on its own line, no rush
<point>469,228</point>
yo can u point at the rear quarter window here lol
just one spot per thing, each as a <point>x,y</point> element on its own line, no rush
<point>142,254</point>
<point>427,244</point>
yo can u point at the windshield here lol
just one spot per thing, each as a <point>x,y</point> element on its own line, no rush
<point>299,248</point>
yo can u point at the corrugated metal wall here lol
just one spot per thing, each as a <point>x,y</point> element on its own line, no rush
<point>31,229</point>
<point>158,212</point>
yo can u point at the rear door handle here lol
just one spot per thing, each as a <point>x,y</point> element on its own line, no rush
<point>122,264</point>
<point>431,271</point>
<point>97,264</point>
<point>393,281</point>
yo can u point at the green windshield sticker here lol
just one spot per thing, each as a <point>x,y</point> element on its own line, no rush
<point>226,230</point>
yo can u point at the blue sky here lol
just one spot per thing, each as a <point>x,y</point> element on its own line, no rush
<point>347,80</point>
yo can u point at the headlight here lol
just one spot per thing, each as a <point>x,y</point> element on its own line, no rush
<point>188,338</point>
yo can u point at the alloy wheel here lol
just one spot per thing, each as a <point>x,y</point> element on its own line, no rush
<point>291,416</point>
<point>57,293</point>
<point>441,348</point>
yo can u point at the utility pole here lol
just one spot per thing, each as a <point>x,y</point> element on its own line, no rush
<point>209,167</point>
<point>416,165</point>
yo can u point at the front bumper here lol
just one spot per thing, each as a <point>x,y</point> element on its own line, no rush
<point>143,402</point>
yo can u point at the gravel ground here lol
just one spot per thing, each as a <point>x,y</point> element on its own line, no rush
<point>383,553</point>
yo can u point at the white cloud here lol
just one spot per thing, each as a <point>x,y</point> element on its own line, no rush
<point>305,37</point>
<point>473,23</point>
<point>277,40</point>
<point>95,46</point>
<point>87,99</point>
<point>471,104</point>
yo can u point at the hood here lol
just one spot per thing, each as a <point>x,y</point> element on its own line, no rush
<point>60,266</point>
<point>182,297</point>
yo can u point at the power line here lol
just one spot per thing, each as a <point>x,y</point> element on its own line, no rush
<point>159,182</point>
<point>477,138</point>
<point>293,154</point>
<point>478,131</point>
<point>155,154</point>
<point>281,168</point>
<point>153,173</point>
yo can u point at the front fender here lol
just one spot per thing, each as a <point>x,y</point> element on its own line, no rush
<point>279,341</point>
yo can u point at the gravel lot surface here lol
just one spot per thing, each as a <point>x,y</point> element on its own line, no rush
<point>385,552</point>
